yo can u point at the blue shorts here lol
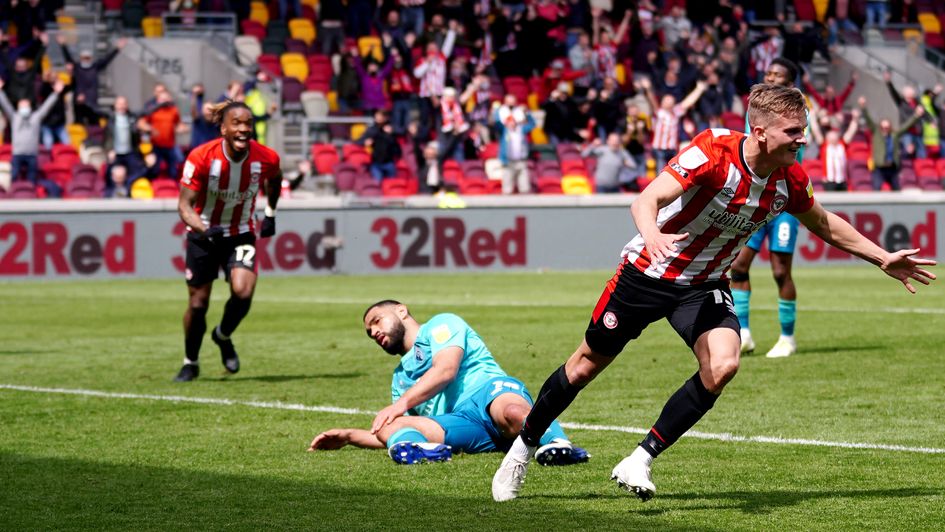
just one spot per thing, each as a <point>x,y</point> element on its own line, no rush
<point>470,428</point>
<point>781,233</point>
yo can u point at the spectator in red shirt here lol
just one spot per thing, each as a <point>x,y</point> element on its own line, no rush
<point>402,92</point>
<point>829,100</point>
<point>162,124</point>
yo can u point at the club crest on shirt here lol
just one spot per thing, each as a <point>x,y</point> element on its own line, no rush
<point>610,320</point>
<point>778,203</point>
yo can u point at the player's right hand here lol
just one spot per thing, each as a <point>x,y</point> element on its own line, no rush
<point>213,234</point>
<point>662,245</point>
<point>329,440</point>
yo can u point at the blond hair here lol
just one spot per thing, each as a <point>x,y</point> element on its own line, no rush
<point>768,101</point>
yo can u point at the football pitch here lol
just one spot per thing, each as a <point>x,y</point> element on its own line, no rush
<point>848,434</point>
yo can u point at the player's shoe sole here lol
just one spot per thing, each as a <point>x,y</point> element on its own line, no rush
<point>634,477</point>
<point>231,362</point>
<point>187,373</point>
<point>561,454</point>
<point>408,453</point>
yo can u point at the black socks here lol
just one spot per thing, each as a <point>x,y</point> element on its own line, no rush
<point>683,410</point>
<point>555,396</point>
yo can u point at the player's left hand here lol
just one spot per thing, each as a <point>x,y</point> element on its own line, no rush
<point>386,417</point>
<point>330,440</point>
<point>268,227</point>
<point>903,266</point>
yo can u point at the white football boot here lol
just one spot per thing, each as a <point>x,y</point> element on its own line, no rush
<point>633,474</point>
<point>785,347</point>
<point>748,344</point>
<point>510,476</point>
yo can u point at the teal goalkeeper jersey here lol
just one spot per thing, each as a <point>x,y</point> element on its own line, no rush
<point>477,366</point>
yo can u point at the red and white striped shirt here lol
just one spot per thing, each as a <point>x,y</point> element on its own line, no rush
<point>763,54</point>
<point>723,203</point>
<point>227,190</point>
<point>666,128</point>
<point>835,162</point>
<point>606,61</point>
<point>432,74</point>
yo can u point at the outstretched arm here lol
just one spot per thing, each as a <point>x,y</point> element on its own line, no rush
<point>852,128</point>
<point>900,265</point>
<point>441,373</point>
<point>694,96</point>
<point>333,439</point>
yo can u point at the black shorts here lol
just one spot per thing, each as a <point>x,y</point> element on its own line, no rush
<point>204,258</point>
<point>631,301</point>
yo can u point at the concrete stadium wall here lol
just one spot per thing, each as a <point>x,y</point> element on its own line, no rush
<point>119,239</point>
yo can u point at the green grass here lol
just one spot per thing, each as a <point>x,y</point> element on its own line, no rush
<point>863,374</point>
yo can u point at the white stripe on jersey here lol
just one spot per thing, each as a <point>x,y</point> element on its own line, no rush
<point>210,198</point>
<point>233,187</point>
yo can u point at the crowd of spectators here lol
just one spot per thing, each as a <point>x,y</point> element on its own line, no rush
<point>625,83</point>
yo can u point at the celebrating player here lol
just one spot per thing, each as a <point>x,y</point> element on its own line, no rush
<point>220,182</point>
<point>709,199</point>
<point>781,233</point>
<point>449,394</point>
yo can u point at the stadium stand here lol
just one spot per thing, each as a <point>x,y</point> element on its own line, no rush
<point>575,86</point>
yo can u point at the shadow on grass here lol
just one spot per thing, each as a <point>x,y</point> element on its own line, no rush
<point>39,493</point>
<point>761,502</point>
<point>286,378</point>
<point>27,351</point>
<point>819,350</point>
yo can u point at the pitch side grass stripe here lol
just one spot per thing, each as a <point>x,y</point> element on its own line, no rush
<point>278,405</point>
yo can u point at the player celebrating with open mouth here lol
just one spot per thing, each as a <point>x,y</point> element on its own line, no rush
<point>219,185</point>
<point>692,219</point>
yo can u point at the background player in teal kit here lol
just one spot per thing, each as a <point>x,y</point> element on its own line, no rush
<point>448,392</point>
<point>781,233</point>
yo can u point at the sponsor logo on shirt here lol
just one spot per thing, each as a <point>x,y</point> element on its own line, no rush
<point>679,170</point>
<point>441,333</point>
<point>732,223</point>
<point>728,192</point>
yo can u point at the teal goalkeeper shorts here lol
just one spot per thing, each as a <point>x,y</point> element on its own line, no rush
<point>470,428</point>
<point>781,233</point>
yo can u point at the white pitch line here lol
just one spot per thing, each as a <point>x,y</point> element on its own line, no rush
<point>278,405</point>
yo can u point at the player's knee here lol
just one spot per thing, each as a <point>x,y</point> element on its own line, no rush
<point>244,292</point>
<point>781,275</point>
<point>722,372</point>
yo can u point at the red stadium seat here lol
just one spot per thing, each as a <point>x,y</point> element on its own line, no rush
<point>165,188</point>
<point>6,152</point>
<point>452,172</point>
<point>324,159</point>
<point>490,151</point>
<point>251,27</point>
<point>574,166</point>
<point>79,191</point>
<point>346,176</point>
<point>22,190</point>
<point>549,186</point>
<point>399,187</point>
<point>366,186</point>
<point>473,187</point>
<point>271,64</point>
<point>814,169</point>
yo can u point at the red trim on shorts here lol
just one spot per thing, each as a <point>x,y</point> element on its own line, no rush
<point>608,290</point>
<point>657,434</point>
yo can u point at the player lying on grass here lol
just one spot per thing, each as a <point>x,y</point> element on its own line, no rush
<point>449,394</point>
<point>692,219</point>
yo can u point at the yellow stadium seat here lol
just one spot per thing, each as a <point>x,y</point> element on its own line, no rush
<point>65,21</point>
<point>576,185</point>
<point>259,12</point>
<point>332,98</point>
<point>65,77</point>
<point>45,63</point>
<point>294,65</point>
<point>621,74</point>
<point>539,136</point>
<point>369,43</point>
<point>820,9</point>
<point>141,189</point>
<point>77,135</point>
<point>152,26</point>
<point>311,3</point>
<point>302,29</point>
<point>145,148</point>
<point>357,130</point>
<point>930,23</point>
<point>912,35</point>
<point>533,101</point>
